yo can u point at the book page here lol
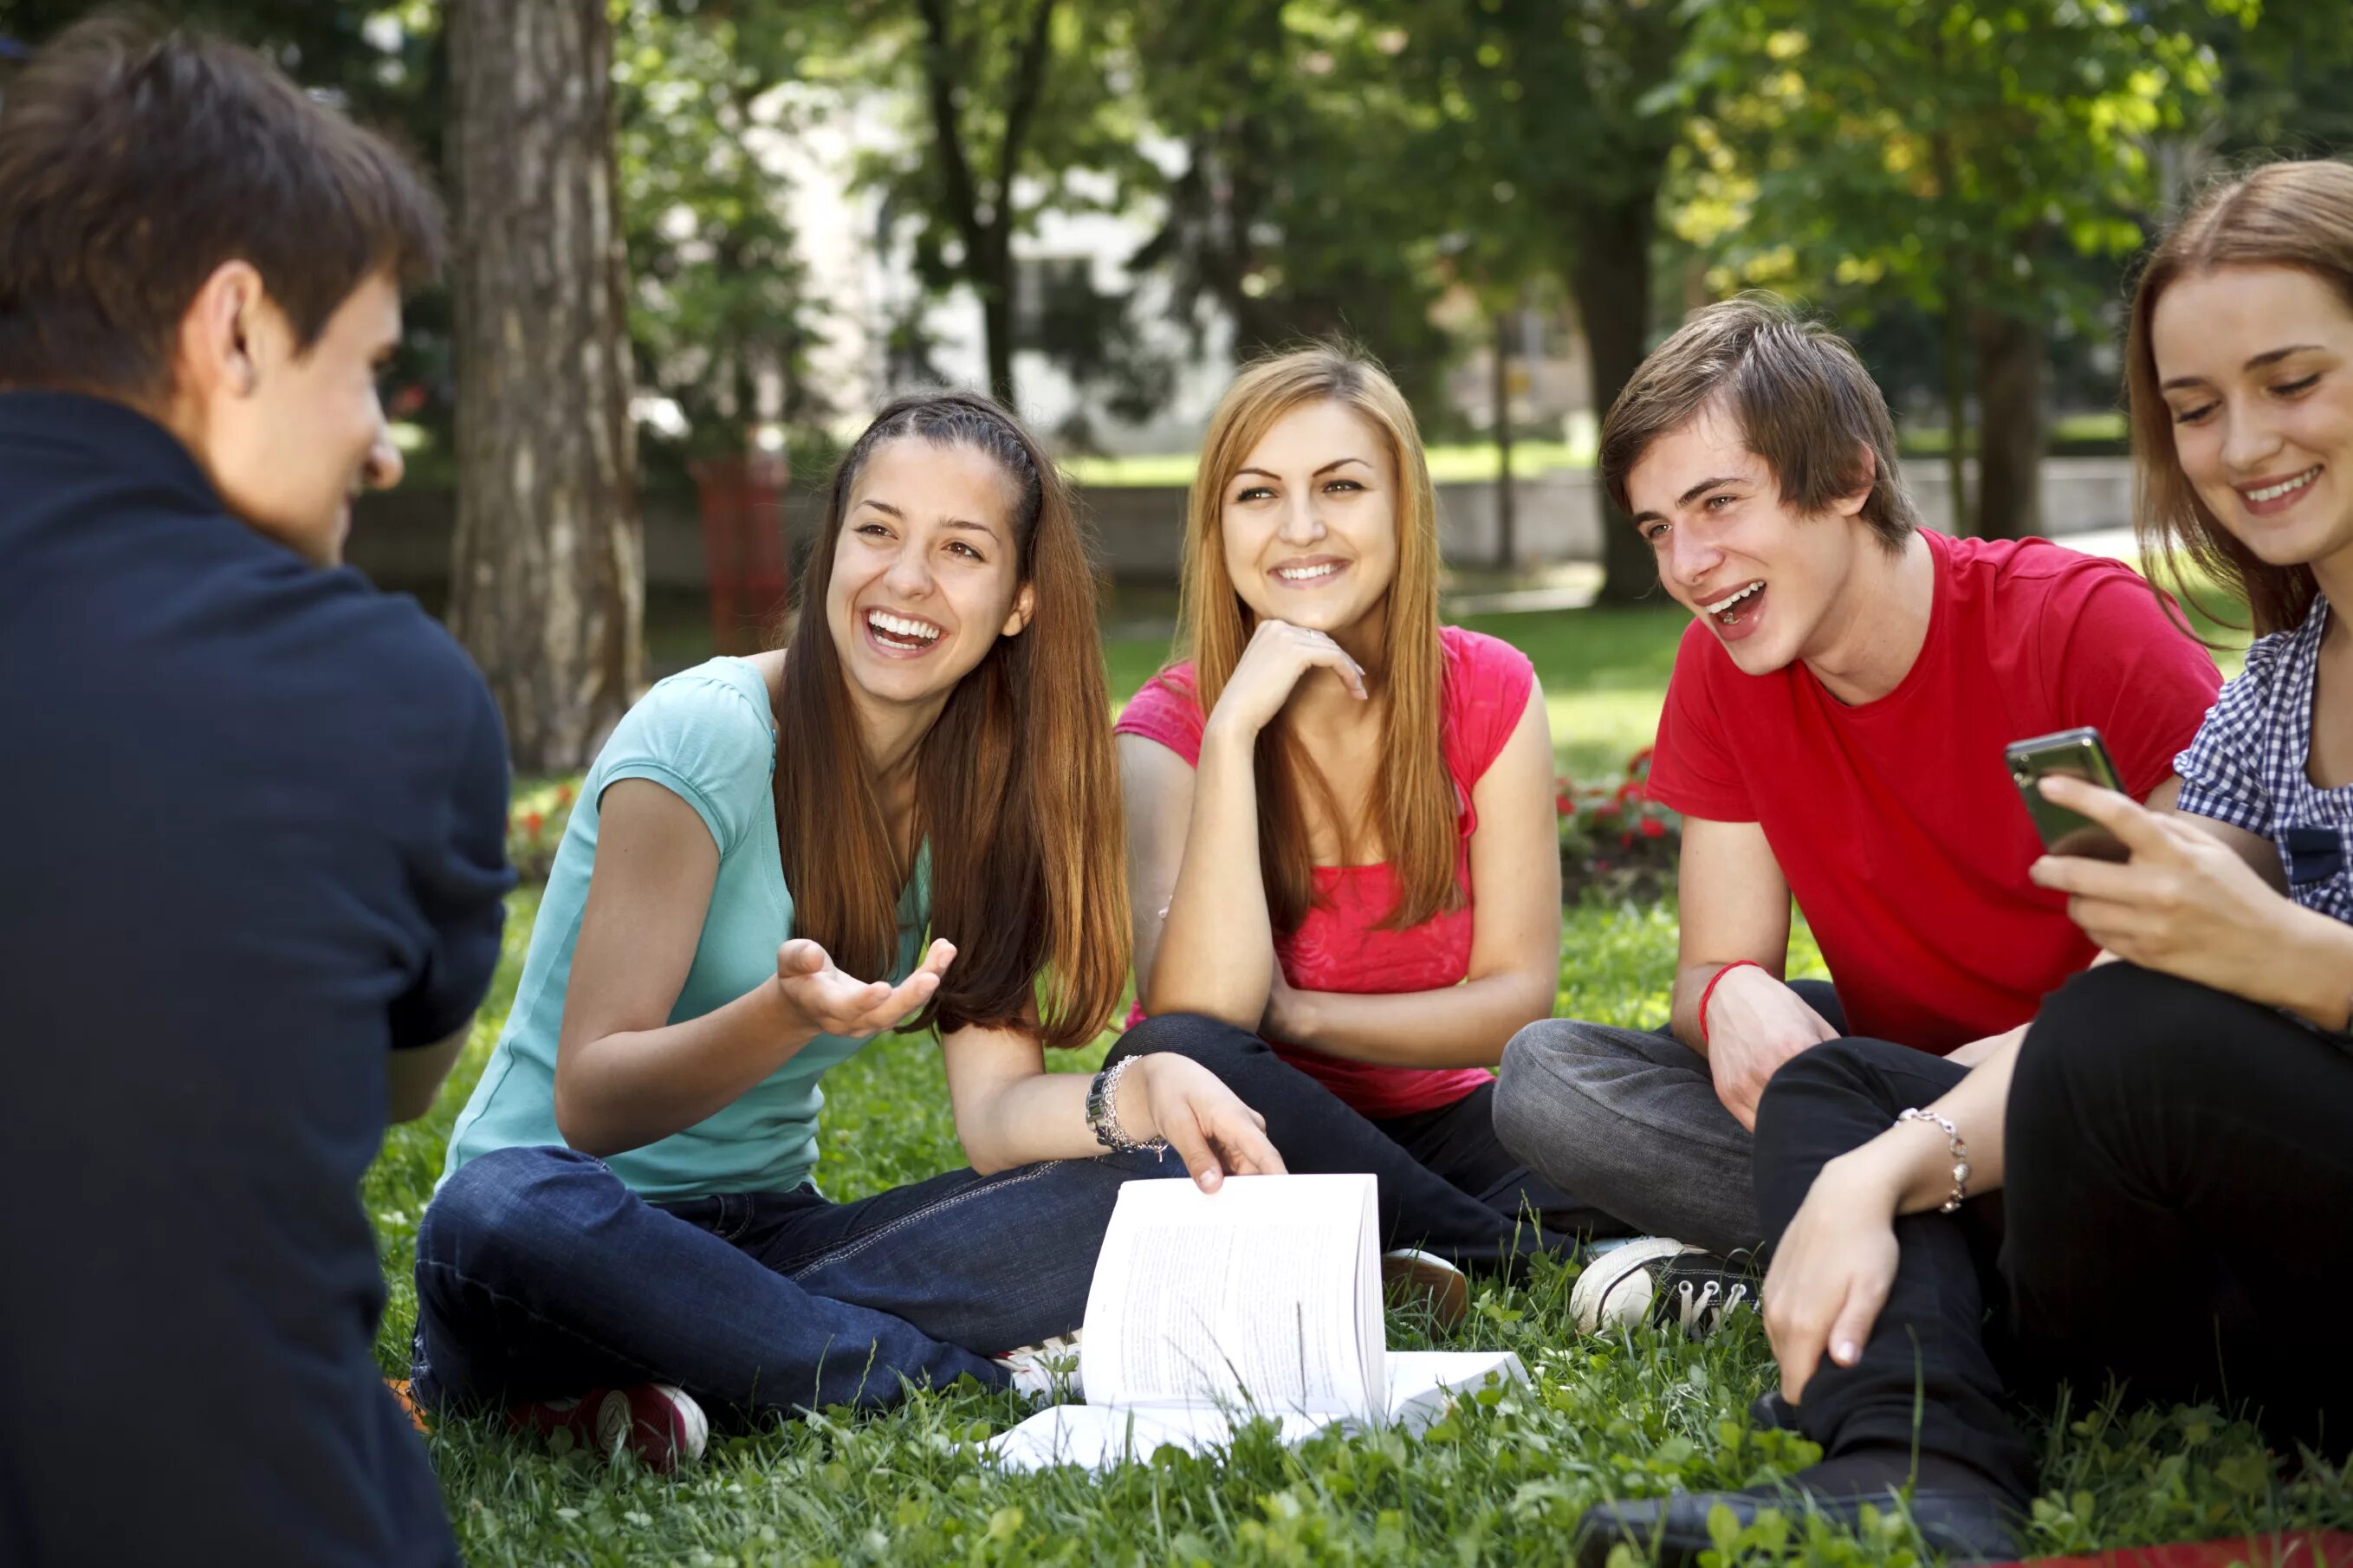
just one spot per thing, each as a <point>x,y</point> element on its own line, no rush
<point>1252,1296</point>
<point>1422,1386</point>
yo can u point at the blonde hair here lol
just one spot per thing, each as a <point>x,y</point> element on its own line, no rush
<point>2297,215</point>
<point>1413,802</point>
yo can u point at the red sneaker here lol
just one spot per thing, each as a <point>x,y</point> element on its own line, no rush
<point>660,1425</point>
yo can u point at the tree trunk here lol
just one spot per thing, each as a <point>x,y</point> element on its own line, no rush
<point>1956,408</point>
<point>1611,280</point>
<point>547,590</point>
<point>1507,551</point>
<point>994,279</point>
<point>2009,426</point>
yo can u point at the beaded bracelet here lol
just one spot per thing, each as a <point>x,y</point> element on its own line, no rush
<point>1960,1154</point>
<point>1102,1111</point>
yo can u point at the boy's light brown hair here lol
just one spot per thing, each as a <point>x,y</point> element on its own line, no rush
<point>1800,397</point>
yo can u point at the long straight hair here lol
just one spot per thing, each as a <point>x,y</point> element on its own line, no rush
<point>1412,802</point>
<point>2297,215</point>
<point>1016,791</point>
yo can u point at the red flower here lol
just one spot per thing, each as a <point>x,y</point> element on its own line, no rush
<point>1653,828</point>
<point>1630,790</point>
<point>1563,805</point>
<point>563,795</point>
<point>1626,840</point>
<point>1608,808</point>
<point>532,822</point>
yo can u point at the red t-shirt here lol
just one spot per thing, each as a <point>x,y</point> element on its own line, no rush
<point>1895,821</point>
<point>1341,945</point>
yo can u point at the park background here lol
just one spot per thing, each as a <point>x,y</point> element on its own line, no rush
<point>697,240</point>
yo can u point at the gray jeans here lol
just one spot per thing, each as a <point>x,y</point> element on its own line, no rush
<point>1628,1119</point>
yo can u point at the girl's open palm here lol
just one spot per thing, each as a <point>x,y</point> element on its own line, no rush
<point>831,1002</point>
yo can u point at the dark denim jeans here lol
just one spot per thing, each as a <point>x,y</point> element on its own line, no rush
<point>2177,1164</point>
<point>1446,1183</point>
<point>539,1274</point>
<point>1629,1121</point>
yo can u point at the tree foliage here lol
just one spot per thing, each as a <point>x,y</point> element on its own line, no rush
<point>720,312</point>
<point>1954,154</point>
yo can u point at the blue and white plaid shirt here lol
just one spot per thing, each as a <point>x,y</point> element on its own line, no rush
<point>2247,768</point>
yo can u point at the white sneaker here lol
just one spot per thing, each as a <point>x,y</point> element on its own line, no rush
<point>1047,1372</point>
<point>1660,1281</point>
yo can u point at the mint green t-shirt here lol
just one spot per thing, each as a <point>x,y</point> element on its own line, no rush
<point>706,735</point>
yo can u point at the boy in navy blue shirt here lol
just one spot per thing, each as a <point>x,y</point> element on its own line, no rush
<point>252,816</point>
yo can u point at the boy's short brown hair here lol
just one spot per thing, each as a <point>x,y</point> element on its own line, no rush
<point>133,164</point>
<point>1802,398</point>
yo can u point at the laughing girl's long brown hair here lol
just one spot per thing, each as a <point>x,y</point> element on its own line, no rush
<point>1413,806</point>
<point>2297,215</point>
<point>1016,793</point>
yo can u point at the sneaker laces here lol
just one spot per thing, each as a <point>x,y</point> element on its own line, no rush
<point>1695,1308</point>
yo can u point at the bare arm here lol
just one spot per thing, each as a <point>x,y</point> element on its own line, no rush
<point>625,1077</point>
<point>1009,1111</point>
<point>1514,972</point>
<point>1832,1268</point>
<point>1214,953</point>
<point>1204,942</point>
<point>413,1076</point>
<point>1735,908</point>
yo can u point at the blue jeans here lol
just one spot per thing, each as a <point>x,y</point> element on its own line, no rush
<point>539,1274</point>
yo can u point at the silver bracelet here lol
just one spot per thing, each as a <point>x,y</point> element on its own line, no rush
<point>1960,1155</point>
<point>1102,1111</point>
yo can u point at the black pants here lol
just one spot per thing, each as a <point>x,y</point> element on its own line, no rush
<point>2177,1213</point>
<point>1447,1183</point>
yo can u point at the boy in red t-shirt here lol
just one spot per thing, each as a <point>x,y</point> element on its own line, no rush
<point>1834,730</point>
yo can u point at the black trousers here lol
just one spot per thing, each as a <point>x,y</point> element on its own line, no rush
<point>2177,1213</point>
<point>1447,1183</point>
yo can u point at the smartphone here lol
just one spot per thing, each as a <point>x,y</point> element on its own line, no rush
<point>2082,754</point>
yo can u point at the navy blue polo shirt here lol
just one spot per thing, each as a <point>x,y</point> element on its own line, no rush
<point>252,838</point>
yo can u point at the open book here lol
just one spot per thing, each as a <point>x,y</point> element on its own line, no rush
<point>1208,1311</point>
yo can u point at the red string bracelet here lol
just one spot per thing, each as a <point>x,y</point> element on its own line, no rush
<point>1719,974</point>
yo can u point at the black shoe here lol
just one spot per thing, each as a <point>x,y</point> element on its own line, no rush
<point>1768,1412</point>
<point>1659,1281</point>
<point>1962,1525</point>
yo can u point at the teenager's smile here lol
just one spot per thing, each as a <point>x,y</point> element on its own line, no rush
<point>899,635</point>
<point>1736,614</point>
<point>1309,572</point>
<point>2271,497</point>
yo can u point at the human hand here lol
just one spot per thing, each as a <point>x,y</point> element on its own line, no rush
<point>1830,1271</point>
<point>2184,904</point>
<point>1174,1097</point>
<point>1278,656</point>
<point>818,996</point>
<point>1753,1024</point>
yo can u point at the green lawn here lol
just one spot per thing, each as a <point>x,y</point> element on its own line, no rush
<point>1637,1413</point>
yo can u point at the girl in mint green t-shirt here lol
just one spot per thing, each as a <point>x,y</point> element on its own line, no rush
<point>627,1229</point>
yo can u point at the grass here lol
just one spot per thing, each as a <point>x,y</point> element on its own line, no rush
<point>1505,1482</point>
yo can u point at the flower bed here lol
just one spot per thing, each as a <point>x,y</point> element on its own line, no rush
<point>1615,840</point>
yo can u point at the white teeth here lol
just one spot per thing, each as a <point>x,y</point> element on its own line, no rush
<point>2285,487</point>
<point>1731,599</point>
<point>1306,574</point>
<point>899,625</point>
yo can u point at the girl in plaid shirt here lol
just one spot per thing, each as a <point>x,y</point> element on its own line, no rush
<point>2173,1131</point>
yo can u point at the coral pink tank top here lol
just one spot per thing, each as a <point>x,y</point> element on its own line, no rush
<point>1341,945</point>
